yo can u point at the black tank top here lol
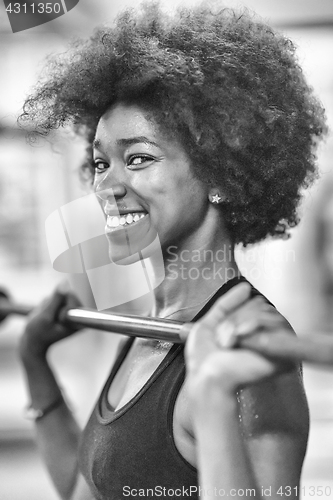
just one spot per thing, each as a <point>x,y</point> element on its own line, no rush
<point>131,452</point>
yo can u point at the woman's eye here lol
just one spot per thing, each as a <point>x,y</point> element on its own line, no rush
<point>138,160</point>
<point>100,166</point>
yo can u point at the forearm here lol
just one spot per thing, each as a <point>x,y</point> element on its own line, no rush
<point>57,432</point>
<point>223,461</point>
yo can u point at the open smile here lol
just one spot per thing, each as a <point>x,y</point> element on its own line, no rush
<point>119,222</point>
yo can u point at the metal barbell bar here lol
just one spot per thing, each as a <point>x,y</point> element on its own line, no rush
<point>135,326</point>
<point>316,348</point>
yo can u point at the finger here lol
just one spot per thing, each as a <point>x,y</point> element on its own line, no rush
<point>250,308</point>
<point>53,306</point>
<point>234,370</point>
<point>247,313</point>
<point>247,327</point>
<point>226,335</point>
<point>185,331</point>
<point>253,316</point>
<point>72,301</point>
<point>64,287</point>
<point>267,322</point>
<point>48,307</point>
<point>256,307</point>
<point>226,304</point>
<point>230,332</point>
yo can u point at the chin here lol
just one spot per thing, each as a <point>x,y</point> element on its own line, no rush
<point>122,260</point>
<point>129,250</point>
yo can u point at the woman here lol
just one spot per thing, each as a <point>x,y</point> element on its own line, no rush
<point>203,126</point>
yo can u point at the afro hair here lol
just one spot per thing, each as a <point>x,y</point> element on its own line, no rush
<point>227,86</point>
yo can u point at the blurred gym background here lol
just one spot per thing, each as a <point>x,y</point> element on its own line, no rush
<point>296,275</point>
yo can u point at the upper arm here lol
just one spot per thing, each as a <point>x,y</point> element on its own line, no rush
<point>275,424</point>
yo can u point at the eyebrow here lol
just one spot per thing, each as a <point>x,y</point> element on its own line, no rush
<point>127,142</point>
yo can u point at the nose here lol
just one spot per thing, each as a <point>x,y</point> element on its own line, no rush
<point>110,186</point>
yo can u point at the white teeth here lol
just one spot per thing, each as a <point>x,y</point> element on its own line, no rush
<point>123,220</point>
<point>113,221</point>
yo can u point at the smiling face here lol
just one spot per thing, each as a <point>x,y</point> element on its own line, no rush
<point>146,178</point>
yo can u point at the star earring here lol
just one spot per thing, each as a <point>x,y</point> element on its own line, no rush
<point>215,198</point>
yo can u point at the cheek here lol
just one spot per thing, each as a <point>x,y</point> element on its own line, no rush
<point>169,190</point>
<point>154,186</point>
<point>173,181</point>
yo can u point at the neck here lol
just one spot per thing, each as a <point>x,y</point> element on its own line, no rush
<point>193,272</point>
